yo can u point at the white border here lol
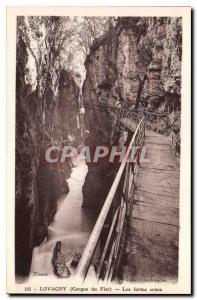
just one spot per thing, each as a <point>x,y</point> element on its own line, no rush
<point>88,3</point>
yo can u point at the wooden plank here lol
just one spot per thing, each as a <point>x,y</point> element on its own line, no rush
<point>170,176</point>
<point>155,232</point>
<point>164,181</point>
<point>166,215</point>
<point>158,189</point>
<point>152,199</point>
<point>151,250</point>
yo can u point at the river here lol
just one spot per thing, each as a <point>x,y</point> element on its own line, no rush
<point>72,226</point>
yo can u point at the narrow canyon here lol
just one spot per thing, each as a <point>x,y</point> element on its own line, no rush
<point>135,63</point>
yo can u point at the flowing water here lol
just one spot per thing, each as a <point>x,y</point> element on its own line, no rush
<point>72,226</point>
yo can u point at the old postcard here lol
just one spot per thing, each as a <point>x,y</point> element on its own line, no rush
<point>99,143</point>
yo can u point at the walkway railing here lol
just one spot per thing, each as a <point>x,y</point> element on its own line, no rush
<point>102,250</point>
<point>153,120</point>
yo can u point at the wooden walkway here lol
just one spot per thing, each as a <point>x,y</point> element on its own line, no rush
<point>151,250</point>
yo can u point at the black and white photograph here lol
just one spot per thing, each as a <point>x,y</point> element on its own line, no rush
<point>101,124</point>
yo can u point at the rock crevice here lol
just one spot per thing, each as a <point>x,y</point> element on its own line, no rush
<point>44,117</point>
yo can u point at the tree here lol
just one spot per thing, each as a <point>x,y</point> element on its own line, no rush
<point>45,39</point>
<point>91,28</point>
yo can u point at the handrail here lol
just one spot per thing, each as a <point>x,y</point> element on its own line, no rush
<point>122,113</point>
<point>129,110</point>
<point>173,127</point>
<point>89,250</point>
<point>177,140</point>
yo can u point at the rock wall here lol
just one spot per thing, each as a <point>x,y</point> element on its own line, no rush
<point>136,64</point>
<point>43,118</point>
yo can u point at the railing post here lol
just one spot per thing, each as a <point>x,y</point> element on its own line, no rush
<point>92,243</point>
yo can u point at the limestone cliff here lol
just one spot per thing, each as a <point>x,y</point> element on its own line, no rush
<point>43,117</point>
<point>136,64</point>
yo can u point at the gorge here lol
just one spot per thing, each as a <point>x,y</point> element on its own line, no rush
<point>136,63</point>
